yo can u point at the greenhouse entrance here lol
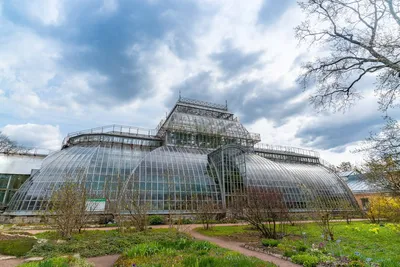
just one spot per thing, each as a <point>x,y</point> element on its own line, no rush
<point>230,165</point>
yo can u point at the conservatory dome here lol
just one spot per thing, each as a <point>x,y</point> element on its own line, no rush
<point>199,153</point>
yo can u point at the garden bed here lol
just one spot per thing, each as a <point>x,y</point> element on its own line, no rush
<point>355,244</point>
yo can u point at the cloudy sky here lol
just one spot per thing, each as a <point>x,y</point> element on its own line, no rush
<point>72,65</point>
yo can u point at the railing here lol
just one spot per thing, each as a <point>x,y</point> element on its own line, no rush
<point>255,136</point>
<point>287,149</point>
<point>24,151</point>
<point>202,103</point>
<point>115,130</point>
<point>160,125</point>
<point>327,164</point>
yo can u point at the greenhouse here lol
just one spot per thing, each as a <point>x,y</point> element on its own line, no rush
<point>199,153</point>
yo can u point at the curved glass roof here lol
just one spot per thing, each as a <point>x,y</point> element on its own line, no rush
<point>174,178</point>
<point>171,178</point>
<point>324,185</point>
<point>98,166</point>
<point>266,173</point>
<point>206,125</point>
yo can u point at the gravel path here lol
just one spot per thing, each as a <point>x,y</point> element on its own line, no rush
<point>104,261</point>
<point>10,263</point>
<point>237,246</point>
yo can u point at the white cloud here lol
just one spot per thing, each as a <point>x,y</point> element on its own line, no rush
<point>31,63</point>
<point>48,12</point>
<point>35,135</point>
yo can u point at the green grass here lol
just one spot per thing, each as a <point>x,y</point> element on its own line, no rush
<point>185,252</point>
<point>98,243</point>
<point>160,247</point>
<point>370,241</point>
<point>16,247</point>
<point>226,230</point>
<point>58,262</point>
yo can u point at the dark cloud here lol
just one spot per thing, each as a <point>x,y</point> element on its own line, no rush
<point>233,61</point>
<point>99,43</point>
<point>271,10</point>
<point>270,101</point>
<point>335,134</point>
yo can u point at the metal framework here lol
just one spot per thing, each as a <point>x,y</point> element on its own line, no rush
<point>200,152</point>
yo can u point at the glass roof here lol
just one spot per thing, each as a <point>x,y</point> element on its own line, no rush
<point>266,173</point>
<point>173,178</point>
<point>323,184</point>
<point>99,166</point>
<point>206,125</point>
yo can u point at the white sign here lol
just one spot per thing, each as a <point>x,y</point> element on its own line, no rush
<point>96,204</point>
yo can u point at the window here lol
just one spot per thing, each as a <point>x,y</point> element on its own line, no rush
<point>364,203</point>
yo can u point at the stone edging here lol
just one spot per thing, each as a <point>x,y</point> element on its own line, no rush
<point>265,251</point>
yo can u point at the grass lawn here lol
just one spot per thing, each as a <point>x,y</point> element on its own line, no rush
<point>155,248</point>
<point>96,243</point>
<point>185,252</point>
<point>58,262</point>
<point>15,246</point>
<point>361,241</point>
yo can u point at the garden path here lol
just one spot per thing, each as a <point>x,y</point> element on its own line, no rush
<point>237,246</point>
<point>108,260</point>
<point>104,261</point>
<point>10,262</point>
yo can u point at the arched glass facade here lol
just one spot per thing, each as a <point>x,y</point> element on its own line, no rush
<point>199,153</point>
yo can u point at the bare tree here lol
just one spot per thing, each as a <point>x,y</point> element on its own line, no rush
<point>323,210</point>
<point>206,211</point>
<point>382,165</point>
<point>113,193</point>
<point>265,209</point>
<point>363,37</point>
<point>344,166</point>
<point>135,204</point>
<point>68,207</point>
<point>9,146</point>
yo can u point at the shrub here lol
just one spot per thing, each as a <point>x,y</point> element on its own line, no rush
<point>301,248</point>
<point>202,245</point>
<point>146,249</point>
<point>156,220</point>
<point>383,207</point>
<point>356,264</point>
<point>389,263</point>
<point>306,260</point>
<point>270,242</point>
<point>288,253</point>
<point>59,261</point>
<point>183,221</point>
<point>16,247</point>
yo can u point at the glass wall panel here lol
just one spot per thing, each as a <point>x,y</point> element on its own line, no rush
<point>179,180</point>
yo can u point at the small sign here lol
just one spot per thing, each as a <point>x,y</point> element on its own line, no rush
<point>96,204</point>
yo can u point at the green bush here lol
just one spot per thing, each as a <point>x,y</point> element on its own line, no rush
<point>306,260</point>
<point>58,262</point>
<point>183,221</point>
<point>202,245</point>
<point>99,243</point>
<point>16,247</point>
<point>230,259</point>
<point>389,263</point>
<point>270,242</point>
<point>356,264</point>
<point>301,247</point>
<point>156,220</point>
<point>146,249</point>
<point>288,253</point>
